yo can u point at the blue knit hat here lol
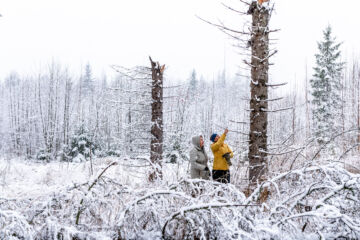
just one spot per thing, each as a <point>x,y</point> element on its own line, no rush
<point>213,136</point>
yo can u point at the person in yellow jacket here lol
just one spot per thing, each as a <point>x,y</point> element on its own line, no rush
<point>222,154</point>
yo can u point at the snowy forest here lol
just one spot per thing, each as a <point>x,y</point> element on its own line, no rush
<point>89,156</point>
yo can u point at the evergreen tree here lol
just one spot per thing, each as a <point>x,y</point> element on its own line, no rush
<point>326,87</point>
<point>88,81</point>
<point>193,81</point>
<point>82,144</point>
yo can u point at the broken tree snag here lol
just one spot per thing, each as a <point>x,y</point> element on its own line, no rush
<point>259,93</point>
<point>255,5</point>
<point>156,145</point>
<point>262,1</point>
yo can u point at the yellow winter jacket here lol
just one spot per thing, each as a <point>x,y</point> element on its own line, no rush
<point>219,148</point>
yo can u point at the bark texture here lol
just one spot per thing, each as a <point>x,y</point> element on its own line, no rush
<point>259,93</point>
<point>156,147</point>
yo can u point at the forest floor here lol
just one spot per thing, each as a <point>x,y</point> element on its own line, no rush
<point>25,178</point>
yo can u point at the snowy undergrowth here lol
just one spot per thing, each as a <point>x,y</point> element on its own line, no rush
<point>313,202</point>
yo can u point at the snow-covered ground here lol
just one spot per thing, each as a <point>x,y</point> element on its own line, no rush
<point>65,201</point>
<point>28,179</point>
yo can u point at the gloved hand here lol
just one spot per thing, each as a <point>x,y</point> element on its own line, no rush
<point>226,156</point>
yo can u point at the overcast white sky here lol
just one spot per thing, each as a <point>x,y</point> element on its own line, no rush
<point>126,32</point>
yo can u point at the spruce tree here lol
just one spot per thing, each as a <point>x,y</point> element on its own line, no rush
<point>82,144</point>
<point>193,81</point>
<point>326,88</point>
<point>88,81</point>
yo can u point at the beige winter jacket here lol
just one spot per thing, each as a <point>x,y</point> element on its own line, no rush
<point>198,160</point>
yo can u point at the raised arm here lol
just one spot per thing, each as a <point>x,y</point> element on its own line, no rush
<point>219,143</point>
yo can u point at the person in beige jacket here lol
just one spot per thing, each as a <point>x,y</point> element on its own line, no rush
<point>199,159</point>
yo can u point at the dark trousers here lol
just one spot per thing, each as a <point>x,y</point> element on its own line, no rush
<point>222,176</point>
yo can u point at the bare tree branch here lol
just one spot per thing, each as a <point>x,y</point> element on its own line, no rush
<point>223,27</point>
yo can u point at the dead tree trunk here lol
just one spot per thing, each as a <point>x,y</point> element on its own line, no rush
<point>358,105</point>
<point>258,40</point>
<point>259,93</point>
<point>156,146</point>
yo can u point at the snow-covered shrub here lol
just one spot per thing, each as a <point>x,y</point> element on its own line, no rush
<point>312,202</point>
<point>14,226</point>
<point>82,143</point>
<point>52,230</point>
<point>146,214</point>
<point>176,150</point>
<point>43,155</point>
<point>187,210</point>
<point>316,200</point>
<point>64,154</point>
<point>113,151</point>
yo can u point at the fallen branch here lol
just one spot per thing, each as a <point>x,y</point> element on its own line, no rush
<point>200,207</point>
<point>80,210</point>
<point>137,201</point>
